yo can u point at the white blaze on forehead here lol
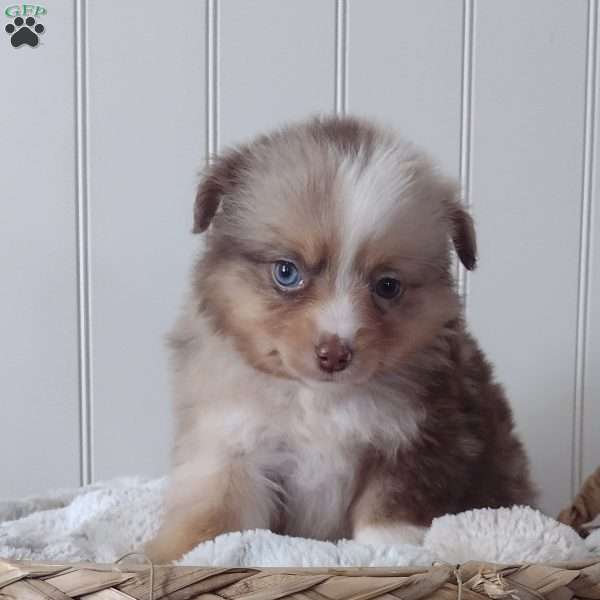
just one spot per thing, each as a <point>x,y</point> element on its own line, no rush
<point>393,189</point>
<point>389,188</point>
<point>369,195</point>
<point>372,192</point>
<point>338,316</point>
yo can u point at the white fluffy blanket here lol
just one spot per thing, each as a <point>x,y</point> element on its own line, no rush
<point>101,522</point>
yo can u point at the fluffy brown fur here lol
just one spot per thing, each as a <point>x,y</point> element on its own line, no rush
<point>329,408</point>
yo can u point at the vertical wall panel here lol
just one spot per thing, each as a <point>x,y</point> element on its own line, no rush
<point>591,408</point>
<point>38,302</point>
<point>529,75</point>
<point>404,67</point>
<point>276,63</point>
<point>147,142</point>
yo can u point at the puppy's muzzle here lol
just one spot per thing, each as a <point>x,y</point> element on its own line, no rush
<point>333,354</point>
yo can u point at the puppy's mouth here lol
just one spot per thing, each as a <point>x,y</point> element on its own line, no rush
<point>333,379</point>
<point>311,377</point>
<point>304,369</point>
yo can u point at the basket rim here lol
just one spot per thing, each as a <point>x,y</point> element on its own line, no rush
<point>472,580</point>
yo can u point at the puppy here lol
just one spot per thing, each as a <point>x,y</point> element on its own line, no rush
<point>325,385</point>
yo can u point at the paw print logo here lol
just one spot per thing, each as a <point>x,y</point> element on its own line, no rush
<point>24,32</point>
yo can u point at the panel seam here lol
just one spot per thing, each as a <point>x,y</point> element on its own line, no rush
<point>86,475</point>
<point>464,167</point>
<point>583,291</point>
<point>212,79</point>
<point>341,58</point>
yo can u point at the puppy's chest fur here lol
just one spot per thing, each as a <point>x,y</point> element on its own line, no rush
<point>313,447</point>
<point>323,450</point>
<point>318,474</point>
<point>309,443</point>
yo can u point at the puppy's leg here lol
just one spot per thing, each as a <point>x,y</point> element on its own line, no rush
<point>378,517</point>
<point>201,505</point>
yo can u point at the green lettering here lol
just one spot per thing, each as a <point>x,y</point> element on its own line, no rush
<point>12,11</point>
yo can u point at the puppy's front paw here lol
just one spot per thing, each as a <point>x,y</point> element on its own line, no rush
<point>178,536</point>
<point>160,551</point>
<point>171,544</point>
<point>389,534</point>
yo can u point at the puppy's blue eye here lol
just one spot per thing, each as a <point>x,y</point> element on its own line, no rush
<point>388,288</point>
<point>286,274</point>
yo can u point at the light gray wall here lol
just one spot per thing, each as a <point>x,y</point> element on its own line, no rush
<point>104,128</point>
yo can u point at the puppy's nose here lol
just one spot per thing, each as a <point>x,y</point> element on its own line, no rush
<point>333,354</point>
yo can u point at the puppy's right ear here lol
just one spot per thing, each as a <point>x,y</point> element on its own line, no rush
<point>220,179</point>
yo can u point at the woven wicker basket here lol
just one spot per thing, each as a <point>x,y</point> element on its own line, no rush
<point>470,581</point>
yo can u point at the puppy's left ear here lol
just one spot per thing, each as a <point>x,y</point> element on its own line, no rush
<point>220,179</point>
<point>462,228</point>
<point>462,231</point>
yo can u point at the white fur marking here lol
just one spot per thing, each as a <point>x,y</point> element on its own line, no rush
<point>338,317</point>
<point>391,189</point>
<point>374,191</point>
<point>371,195</point>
